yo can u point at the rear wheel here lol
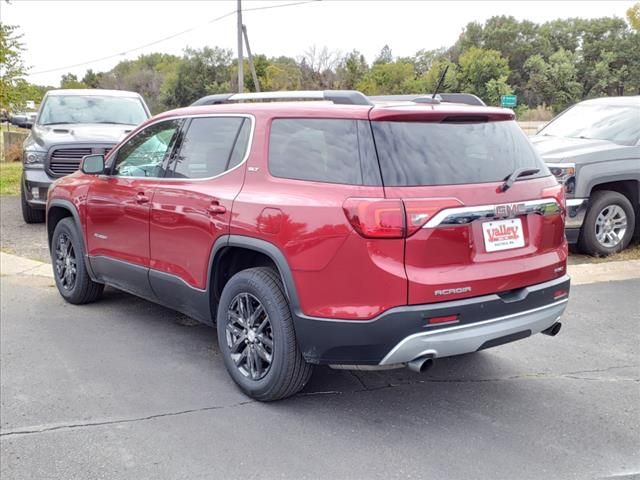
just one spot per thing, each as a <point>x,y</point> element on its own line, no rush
<point>29,214</point>
<point>257,338</point>
<point>69,269</point>
<point>609,224</point>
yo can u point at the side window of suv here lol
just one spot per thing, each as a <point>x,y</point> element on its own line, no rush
<point>143,154</point>
<point>323,150</point>
<point>210,146</point>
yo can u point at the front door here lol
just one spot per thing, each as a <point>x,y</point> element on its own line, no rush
<point>119,204</point>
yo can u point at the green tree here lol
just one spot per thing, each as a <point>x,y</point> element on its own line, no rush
<point>92,79</point>
<point>12,68</point>
<point>70,80</point>
<point>554,82</point>
<point>351,69</point>
<point>477,67</point>
<point>495,88</point>
<point>200,72</point>
<point>388,79</point>
<point>385,56</point>
<point>633,16</point>
<point>428,82</point>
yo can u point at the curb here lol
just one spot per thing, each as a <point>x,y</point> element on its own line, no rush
<point>581,274</point>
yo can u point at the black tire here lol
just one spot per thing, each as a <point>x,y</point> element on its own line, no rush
<point>588,241</point>
<point>288,372</point>
<point>29,214</point>
<point>82,289</point>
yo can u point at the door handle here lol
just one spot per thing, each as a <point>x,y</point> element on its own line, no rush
<point>216,209</point>
<point>141,198</point>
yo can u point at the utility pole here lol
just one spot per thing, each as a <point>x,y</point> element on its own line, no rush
<point>240,60</point>
<point>250,56</point>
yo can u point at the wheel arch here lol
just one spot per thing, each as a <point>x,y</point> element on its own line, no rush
<point>233,253</point>
<point>629,188</point>
<point>59,209</point>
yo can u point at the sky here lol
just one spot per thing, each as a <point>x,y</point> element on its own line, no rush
<point>58,34</point>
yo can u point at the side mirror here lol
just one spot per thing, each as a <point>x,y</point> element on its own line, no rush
<point>92,164</point>
<point>28,125</point>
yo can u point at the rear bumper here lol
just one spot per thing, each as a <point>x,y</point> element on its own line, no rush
<point>403,333</point>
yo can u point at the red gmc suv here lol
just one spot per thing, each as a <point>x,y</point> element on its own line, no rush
<point>338,231</point>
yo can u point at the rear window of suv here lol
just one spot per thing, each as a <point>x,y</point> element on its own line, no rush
<point>323,150</point>
<point>423,153</point>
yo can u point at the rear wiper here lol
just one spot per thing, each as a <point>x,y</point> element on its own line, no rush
<point>519,172</point>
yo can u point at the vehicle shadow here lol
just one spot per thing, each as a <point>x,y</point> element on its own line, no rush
<point>475,367</point>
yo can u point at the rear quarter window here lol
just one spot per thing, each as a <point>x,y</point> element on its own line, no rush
<point>425,153</point>
<point>323,150</point>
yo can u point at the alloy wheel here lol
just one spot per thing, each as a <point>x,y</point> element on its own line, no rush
<point>611,225</point>
<point>249,336</point>
<point>66,267</point>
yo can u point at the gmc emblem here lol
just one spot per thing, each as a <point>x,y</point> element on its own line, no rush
<point>509,210</point>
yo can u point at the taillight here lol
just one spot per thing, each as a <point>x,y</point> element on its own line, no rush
<point>384,218</point>
<point>420,210</point>
<point>375,218</point>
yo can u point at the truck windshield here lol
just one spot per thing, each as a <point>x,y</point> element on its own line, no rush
<point>62,109</point>
<point>615,123</point>
<point>426,153</point>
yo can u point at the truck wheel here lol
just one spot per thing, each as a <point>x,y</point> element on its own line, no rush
<point>256,336</point>
<point>29,214</point>
<point>608,225</point>
<point>69,270</point>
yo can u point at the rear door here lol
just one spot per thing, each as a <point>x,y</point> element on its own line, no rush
<point>193,206</point>
<point>465,236</point>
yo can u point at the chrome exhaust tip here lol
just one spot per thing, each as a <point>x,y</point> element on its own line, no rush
<point>420,364</point>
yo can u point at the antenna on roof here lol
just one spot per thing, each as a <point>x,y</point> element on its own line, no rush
<point>440,82</point>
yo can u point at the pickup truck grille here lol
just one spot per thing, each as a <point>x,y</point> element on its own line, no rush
<point>63,161</point>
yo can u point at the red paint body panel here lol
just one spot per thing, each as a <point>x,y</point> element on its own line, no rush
<point>183,228</point>
<point>117,225</point>
<point>455,257</point>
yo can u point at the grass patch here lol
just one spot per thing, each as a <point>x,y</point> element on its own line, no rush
<point>10,173</point>
<point>632,252</point>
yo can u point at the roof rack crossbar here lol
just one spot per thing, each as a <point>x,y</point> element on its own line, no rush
<point>342,97</point>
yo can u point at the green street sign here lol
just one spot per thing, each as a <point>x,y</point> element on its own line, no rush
<point>509,101</point>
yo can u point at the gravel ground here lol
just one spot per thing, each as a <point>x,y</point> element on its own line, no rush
<point>18,237</point>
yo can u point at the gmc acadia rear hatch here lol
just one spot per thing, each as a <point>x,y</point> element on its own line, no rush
<point>469,232</point>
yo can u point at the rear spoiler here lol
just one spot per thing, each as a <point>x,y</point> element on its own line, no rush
<point>463,98</point>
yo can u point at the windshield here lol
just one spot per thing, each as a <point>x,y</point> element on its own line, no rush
<point>615,123</point>
<point>60,109</point>
<point>416,153</point>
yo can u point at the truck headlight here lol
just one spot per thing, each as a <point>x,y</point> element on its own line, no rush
<point>565,173</point>
<point>33,158</point>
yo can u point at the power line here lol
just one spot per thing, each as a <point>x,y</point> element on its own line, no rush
<point>164,39</point>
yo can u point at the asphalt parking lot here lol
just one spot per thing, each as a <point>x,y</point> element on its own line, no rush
<point>126,389</point>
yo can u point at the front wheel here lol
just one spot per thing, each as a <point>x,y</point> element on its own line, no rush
<point>256,336</point>
<point>69,269</point>
<point>609,224</point>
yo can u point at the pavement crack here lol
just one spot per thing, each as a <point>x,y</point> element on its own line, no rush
<point>360,381</point>
<point>72,426</point>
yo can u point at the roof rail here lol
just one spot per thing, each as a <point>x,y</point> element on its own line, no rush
<point>341,97</point>
<point>465,98</point>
